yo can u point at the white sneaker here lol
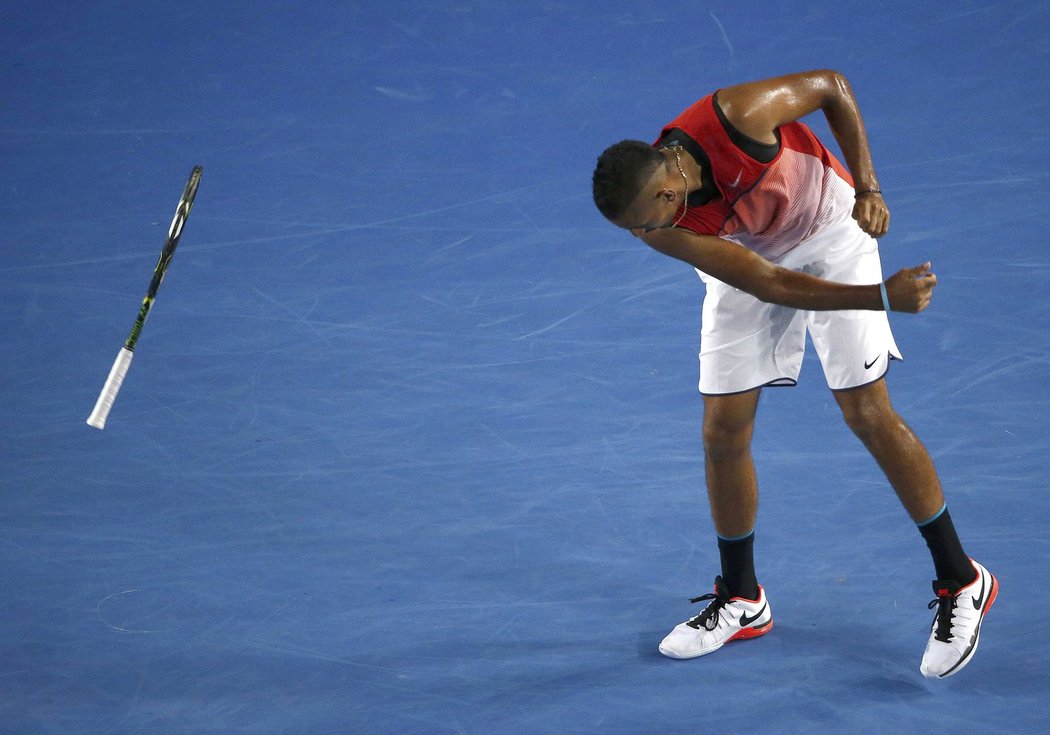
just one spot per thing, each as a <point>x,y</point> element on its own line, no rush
<point>957,623</point>
<point>724,619</point>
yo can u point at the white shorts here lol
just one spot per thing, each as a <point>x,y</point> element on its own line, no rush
<point>746,343</point>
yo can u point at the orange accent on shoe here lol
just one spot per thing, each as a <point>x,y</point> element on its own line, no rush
<point>761,591</point>
<point>993,594</point>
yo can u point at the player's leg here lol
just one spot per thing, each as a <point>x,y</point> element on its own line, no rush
<point>902,457</point>
<point>732,488</point>
<point>744,344</point>
<point>855,348</point>
<point>909,468</point>
<point>965,590</point>
<point>737,607</point>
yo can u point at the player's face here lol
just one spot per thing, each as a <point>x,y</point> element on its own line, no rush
<point>654,208</point>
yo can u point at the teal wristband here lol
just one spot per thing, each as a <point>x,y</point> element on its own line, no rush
<point>885,298</point>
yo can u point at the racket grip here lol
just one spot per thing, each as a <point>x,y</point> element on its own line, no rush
<point>111,388</point>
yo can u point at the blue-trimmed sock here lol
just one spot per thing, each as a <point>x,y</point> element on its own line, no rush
<point>738,565</point>
<point>949,559</point>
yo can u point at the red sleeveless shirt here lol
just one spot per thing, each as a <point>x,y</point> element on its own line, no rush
<point>767,207</point>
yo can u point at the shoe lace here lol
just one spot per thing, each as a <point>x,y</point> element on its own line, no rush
<point>945,604</point>
<point>709,618</point>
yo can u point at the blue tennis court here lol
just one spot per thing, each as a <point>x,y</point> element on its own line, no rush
<point>411,440</point>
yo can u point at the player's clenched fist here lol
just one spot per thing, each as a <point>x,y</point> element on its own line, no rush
<point>872,214</point>
<point>911,289</point>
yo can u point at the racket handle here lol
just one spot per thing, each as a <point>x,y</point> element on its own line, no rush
<point>111,388</point>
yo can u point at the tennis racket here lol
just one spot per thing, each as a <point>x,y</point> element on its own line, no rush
<point>123,362</point>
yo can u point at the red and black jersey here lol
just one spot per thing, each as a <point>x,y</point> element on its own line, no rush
<point>768,198</point>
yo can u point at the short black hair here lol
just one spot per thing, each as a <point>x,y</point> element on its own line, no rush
<point>622,171</point>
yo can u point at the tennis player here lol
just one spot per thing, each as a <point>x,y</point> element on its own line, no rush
<point>783,236</point>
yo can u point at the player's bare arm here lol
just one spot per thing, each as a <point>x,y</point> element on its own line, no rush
<point>908,290</point>
<point>758,108</point>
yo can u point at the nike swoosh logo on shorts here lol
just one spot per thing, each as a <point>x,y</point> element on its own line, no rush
<point>746,621</point>
<point>867,365</point>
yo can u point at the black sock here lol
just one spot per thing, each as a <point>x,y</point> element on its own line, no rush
<point>738,566</point>
<point>949,559</point>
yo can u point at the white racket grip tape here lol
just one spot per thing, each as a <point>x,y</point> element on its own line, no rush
<point>111,388</point>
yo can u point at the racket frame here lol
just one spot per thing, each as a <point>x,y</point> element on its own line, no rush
<point>122,363</point>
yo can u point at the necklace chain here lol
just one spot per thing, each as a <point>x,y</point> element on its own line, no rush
<point>685,197</point>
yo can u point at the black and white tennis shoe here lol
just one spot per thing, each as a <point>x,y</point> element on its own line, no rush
<point>957,623</point>
<point>724,619</point>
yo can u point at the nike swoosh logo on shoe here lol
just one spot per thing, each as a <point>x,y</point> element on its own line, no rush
<point>979,600</point>
<point>746,621</point>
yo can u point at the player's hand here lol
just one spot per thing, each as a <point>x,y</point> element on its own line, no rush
<point>872,214</point>
<point>911,289</point>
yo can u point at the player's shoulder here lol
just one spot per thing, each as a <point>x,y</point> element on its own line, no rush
<point>673,240</point>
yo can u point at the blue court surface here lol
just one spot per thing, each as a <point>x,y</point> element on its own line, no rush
<point>411,440</point>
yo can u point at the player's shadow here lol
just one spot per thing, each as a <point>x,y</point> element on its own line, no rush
<point>852,662</point>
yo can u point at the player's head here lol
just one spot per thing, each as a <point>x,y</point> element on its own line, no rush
<point>634,186</point>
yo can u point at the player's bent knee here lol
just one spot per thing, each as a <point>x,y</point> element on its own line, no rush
<point>868,418</point>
